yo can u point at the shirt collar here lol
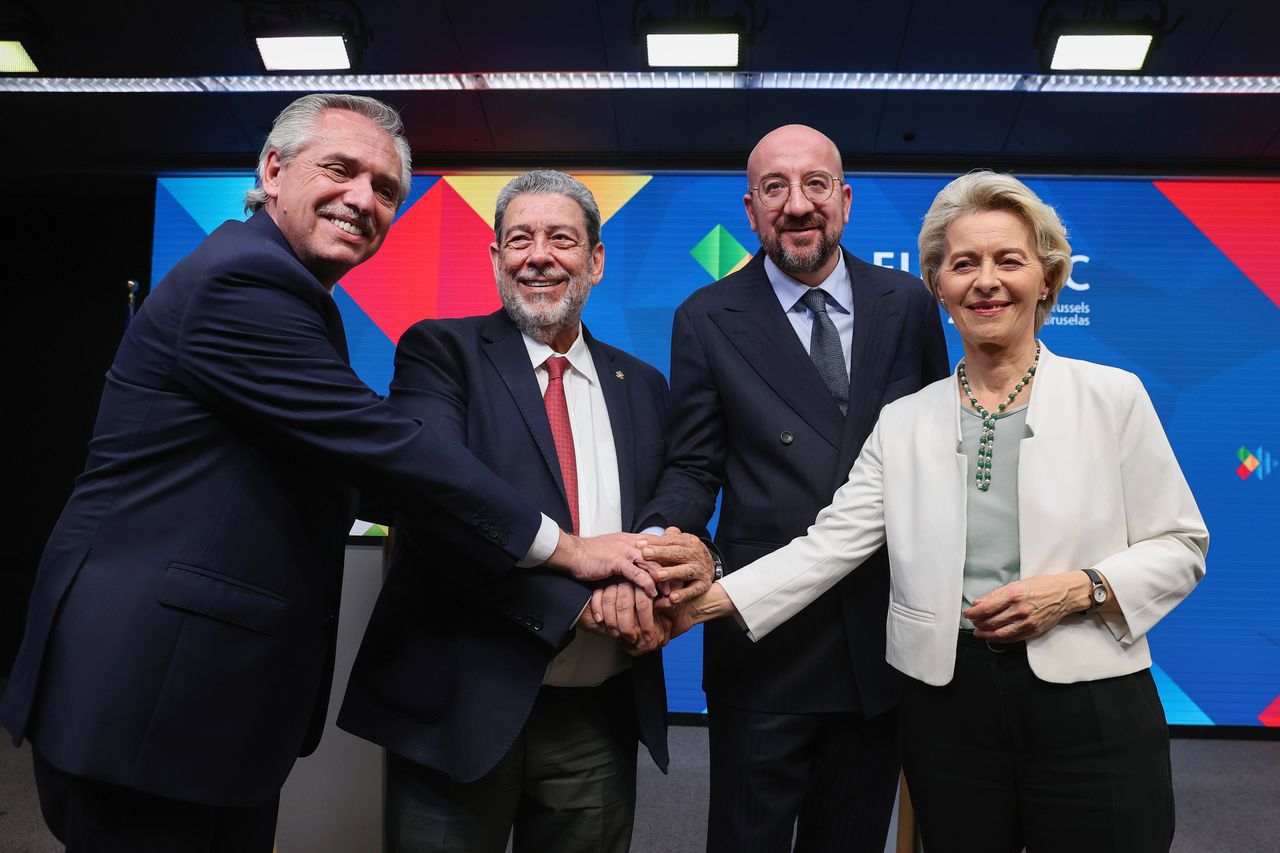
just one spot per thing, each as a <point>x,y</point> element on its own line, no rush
<point>789,291</point>
<point>579,356</point>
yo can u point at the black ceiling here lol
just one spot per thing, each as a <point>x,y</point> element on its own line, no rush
<point>652,129</point>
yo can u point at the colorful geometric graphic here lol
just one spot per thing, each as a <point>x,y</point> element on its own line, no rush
<point>719,253</point>
<point>1257,464</point>
<point>1241,218</point>
<point>1270,715</point>
<point>1177,281</point>
<point>1179,708</point>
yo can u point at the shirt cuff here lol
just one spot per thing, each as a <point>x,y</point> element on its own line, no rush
<point>651,531</point>
<point>544,544</point>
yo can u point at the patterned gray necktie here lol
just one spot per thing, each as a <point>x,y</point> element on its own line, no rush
<point>825,350</point>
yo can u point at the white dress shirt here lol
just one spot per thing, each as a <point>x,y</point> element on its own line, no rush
<point>589,658</point>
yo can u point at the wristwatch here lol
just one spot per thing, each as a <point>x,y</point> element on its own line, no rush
<point>1098,595</point>
<point>719,565</point>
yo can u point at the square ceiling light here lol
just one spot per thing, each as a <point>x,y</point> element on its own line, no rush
<point>693,50</point>
<point>1099,52</point>
<point>304,53</point>
<point>14,59</point>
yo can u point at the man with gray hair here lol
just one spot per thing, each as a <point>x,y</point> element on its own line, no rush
<point>501,707</point>
<point>179,643</point>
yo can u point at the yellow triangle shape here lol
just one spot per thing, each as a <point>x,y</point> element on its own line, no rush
<point>746,259</point>
<point>612,192</point>
<point>479,191</point>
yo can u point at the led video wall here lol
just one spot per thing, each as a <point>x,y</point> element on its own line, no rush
<point>1175,280</point>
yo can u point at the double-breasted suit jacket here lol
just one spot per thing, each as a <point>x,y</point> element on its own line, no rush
<point>750,413</point>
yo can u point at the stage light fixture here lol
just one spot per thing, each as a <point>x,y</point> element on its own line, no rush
<point>303,53</point>
<point>693,37</point>
<point>328,35</point>
<point>1100,52</point>
<point>1111,36</point>
<point>693,50</point>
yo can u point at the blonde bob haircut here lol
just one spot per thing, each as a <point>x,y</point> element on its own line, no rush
<point>983,190</point>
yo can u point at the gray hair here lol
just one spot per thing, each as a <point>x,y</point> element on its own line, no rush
<point>549,182</point>
<point>296,124</point>
<point>984,190</point>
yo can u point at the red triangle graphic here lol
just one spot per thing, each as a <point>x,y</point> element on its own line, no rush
<point>1270,715</point>
<point>466,274</point>
<point>1241,218</point>
<point>397,286</point>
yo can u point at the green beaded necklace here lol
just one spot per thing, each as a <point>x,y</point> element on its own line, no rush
<point>986,443</point>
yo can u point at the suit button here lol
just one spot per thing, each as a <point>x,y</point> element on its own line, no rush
<point>786,437</point>
<point>535,625</point>
<point>484,525</point>
<point>475,521</point>
<point>504,539</point>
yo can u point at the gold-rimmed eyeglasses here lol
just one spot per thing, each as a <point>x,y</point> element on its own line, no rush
<point>816,186</point>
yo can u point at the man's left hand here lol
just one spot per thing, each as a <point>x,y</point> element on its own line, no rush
<point>625,613</point>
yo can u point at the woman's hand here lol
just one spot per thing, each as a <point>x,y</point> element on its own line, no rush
<point>1029,607</point>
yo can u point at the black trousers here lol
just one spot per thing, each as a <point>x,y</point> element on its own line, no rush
<point>89,816</point>
<point>567,784</point>
<point>827,778</point>
<point>998,759</point>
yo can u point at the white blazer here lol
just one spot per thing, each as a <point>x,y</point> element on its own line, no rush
<point>1098,486</point>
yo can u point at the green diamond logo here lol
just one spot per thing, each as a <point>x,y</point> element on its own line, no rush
<point>719,252</point>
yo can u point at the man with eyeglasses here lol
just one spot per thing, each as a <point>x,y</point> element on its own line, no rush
<point>778,373</point>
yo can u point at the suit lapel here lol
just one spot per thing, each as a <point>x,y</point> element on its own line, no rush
<point>618,401</point>
<point>306,285</point>
<point>505,349</point>
<point>877,325</point>
<point>756,325</point>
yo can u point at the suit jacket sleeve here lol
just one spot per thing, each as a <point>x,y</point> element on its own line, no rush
<point>430,385</point>
<point>1168,539</point>
<point>686,493</point>
<point>776,587</point>
<point>261,355</point>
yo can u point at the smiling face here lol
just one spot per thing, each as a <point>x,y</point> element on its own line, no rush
<point>801,236</point>
<point>334,202</point>
<point>544,268</point>
<point>990,280</point>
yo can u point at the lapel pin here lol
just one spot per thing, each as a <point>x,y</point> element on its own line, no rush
<point>619,374</point>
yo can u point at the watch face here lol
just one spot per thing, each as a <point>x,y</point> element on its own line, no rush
<point>1099,594</point>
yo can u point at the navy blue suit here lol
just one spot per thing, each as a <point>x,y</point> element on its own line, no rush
<point>180,636</point>
<point>449,668</point>
<point>753,416</point>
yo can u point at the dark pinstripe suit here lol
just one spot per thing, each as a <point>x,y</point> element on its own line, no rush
<point>751,414</point>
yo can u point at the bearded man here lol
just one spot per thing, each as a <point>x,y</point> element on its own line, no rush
<point>503,705</point>
<point>778,373</point>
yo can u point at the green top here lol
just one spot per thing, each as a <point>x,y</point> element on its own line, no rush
<point>991,557</point>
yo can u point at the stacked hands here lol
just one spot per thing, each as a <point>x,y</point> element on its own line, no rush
<point>660,576</point>
<point>663,577</point>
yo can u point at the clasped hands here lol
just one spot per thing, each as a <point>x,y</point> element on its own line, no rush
<point>643,613</point>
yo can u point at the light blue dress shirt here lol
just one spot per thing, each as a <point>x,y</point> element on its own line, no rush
<point>839,290</point>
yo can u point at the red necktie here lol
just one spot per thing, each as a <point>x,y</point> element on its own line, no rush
<point>561,432</point>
